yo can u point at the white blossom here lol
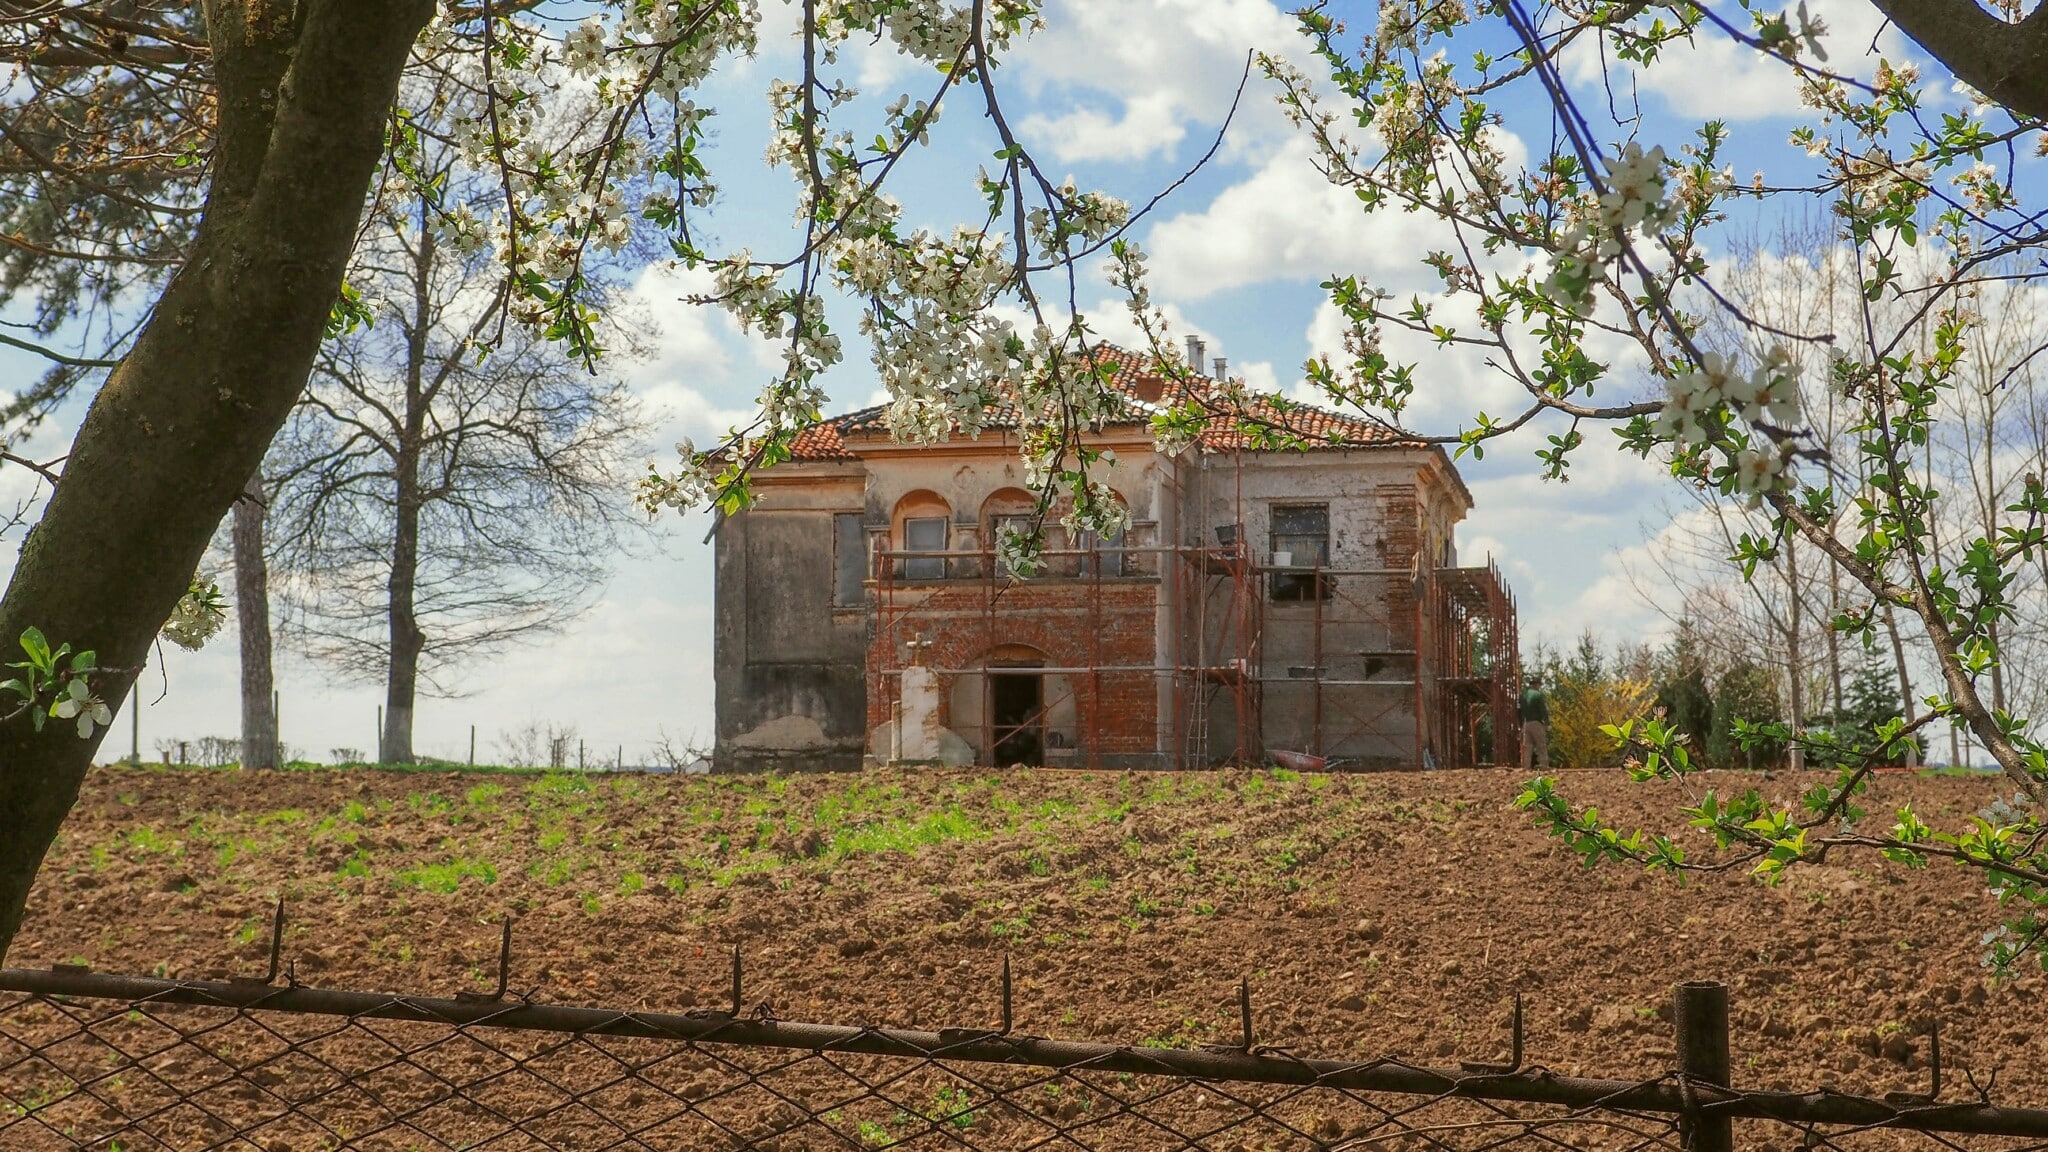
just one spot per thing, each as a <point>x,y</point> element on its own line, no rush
<point>78,702</point>
<point>197,618</point>
<point>1635,201</point>
<point>1759,471</point>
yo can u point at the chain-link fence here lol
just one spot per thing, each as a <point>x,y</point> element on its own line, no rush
<point>133,1064</point>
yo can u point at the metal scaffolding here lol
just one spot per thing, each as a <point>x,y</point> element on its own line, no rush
<point>1381,668</point>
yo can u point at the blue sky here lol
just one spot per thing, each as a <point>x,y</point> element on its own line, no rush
<point>1124,95</point>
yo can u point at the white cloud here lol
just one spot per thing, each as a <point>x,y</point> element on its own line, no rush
<point>1286,222</point>
<point>1111,320</point>
<point>1456,382</point>
<point>1130,79</point>
<point>701,374</point>
<point>1716,78</point>
<point>1563,547</point>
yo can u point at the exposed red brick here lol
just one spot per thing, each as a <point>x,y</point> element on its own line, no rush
<point>1065,619</point>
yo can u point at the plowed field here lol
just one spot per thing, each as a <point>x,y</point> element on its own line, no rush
<point>1381,914</point>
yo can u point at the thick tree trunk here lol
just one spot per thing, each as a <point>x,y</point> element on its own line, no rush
<point>252,619</point>
<point>2007,62</point>
<point>304,94</point>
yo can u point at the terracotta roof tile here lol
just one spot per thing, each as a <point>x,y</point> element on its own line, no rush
<point>822,442</point>
<point>1259,423</point>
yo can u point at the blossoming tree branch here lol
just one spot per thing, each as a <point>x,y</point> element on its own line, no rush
<point>246,137</point>
<point>1585,276</point>
<point>219,156</point>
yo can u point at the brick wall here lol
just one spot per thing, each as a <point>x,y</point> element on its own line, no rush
<point>1403,540</point>
<point>1071,623</point>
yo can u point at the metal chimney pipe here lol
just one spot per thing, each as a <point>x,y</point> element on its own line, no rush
<point>1195,353</point>
<point>1222,368</point>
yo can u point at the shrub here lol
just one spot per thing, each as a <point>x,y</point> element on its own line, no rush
<point>1576,718</point>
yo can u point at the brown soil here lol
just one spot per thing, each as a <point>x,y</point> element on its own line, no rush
<point>1374,915</point>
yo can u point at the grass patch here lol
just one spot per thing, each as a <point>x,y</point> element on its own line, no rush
<point>446,878</point>
<point>907,835</point>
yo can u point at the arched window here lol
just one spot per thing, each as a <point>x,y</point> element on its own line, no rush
<point>1005,508</point>
<point>922,523</point>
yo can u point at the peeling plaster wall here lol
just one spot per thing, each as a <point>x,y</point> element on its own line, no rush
<point>788,663</point>
<point>965,475</point>
<point>802,682</point>
<point>1384,505</point>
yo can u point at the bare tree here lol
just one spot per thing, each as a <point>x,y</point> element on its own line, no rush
<point>537,745</point>
<point>1993,434</point>
<point>433,502</point>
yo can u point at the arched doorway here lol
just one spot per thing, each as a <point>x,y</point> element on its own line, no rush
<point>1016,705</point>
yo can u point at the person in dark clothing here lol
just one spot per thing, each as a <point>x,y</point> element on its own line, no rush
<point>1535,712</point>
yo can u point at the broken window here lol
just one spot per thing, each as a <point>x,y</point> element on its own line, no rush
<point>924,534</point>
<point>849,559</point>
<point>1301,540</point>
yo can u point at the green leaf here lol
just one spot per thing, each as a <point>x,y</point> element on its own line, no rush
<point>38,649</point>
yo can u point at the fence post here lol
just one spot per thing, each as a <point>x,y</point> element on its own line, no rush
<point>1700,1017</point>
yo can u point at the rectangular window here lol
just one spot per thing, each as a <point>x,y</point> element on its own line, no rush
<point>1099,554</point>
<point>924,534</point>
<point>849,559</point>
<point>1301,537</point>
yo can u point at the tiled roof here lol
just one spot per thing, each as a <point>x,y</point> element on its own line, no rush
<point>1256,424</point>
<point>823,441</point>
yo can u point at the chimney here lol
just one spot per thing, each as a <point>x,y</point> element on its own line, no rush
<point>1195,353</point>
<point>1222,369</point>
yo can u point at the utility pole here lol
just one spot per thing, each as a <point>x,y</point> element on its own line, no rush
<point>135,723</point>
<point>377,749</point>
<point>472,745</point>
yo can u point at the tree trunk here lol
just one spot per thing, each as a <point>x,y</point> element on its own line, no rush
<point>401,684</point>
<point>1795,668</point>
<point>1891,624</point>
<point>1834,638</point>
<point>402,681</point>
<point>252,619</point>
<point>304,94</point>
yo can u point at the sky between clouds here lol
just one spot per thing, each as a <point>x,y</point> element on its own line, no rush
<point>1125,94</point>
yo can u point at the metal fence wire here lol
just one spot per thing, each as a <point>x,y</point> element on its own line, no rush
<point>136,1064</point>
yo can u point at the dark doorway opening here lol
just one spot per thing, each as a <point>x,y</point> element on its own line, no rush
<point>1017,717</point>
